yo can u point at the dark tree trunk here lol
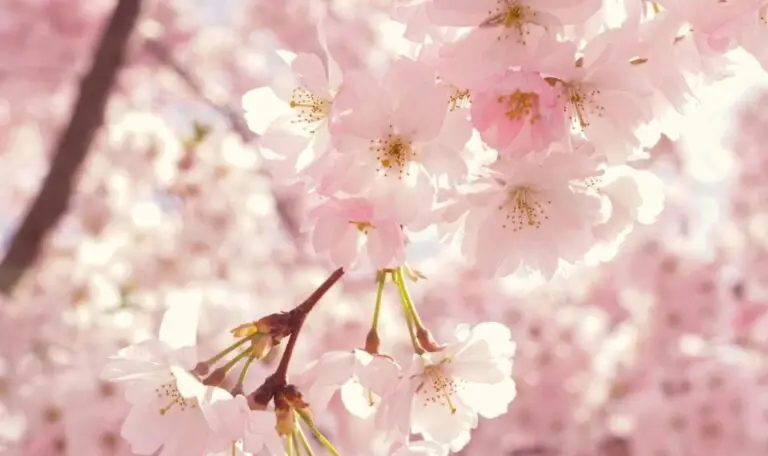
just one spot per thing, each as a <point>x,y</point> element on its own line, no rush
<point>72,147</point>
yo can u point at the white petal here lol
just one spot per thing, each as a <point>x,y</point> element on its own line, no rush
<point>179,326</point>
<point>490,401</point>
<point>262,106</point>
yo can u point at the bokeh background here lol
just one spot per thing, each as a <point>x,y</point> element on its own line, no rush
<point>129,181</point>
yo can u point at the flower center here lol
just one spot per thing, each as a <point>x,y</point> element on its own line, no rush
<point>459,99</point>
<point>438,388</point>
<point>309,108</point>
<point>393,152</point>
<point>170,393</point>
<point>513,16</point>
<point>583,101</point>
<point>362,227</point>
<point>524,209</point>
<point>521,104</point>
<point>762,15</point>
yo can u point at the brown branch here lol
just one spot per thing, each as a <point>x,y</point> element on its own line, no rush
<point>87,116</point>
<point>283,206</point>
<point>259,398</point>
<point>163,55</point>
<point>301,313</point>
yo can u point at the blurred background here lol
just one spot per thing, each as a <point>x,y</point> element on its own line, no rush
<point>129,181</point>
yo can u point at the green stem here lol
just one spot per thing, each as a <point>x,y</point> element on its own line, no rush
<point>231,363</point>
<point>304,441</point>
<point>227,351</point>
<point>289,444</point>
<point>381,278</point>
<point>409,317</point>
<point>319,435</point>
<point>241,377</point>
<point>295,443</point>
<point>407,299</point>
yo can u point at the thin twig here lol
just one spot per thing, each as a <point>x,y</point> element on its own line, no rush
<point>236,120</point>
<point>301,313</point>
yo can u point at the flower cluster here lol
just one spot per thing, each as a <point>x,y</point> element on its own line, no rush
<point>437,392</point>
<point>180,308</point>
<point>512,125</point>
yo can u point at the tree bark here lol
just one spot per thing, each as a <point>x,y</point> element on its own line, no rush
<point>72,147</point>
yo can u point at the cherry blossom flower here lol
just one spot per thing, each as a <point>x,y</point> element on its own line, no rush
<point>605,98</point>
<point>168,401</point>
<point>441,394</point>
<point>344,226</point>
<point>361,378</point>
<point>519,217</point>
<point>519,129</point>
<point>393,132</point>
<point>256,429</point>
<point>518,112</point>
<point>296,132</point>
<point>506,32</point>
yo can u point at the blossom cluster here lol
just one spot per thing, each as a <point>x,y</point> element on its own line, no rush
<point>177,316</point>
<point>511,126</point>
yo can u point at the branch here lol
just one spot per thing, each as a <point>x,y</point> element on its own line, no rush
<point>259,398</point>
<point>163,55</point>
<point>285,211</point>
<point>301,313</point>
<point>87,116</point>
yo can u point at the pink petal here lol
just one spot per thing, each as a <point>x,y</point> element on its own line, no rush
<point>313,76</point>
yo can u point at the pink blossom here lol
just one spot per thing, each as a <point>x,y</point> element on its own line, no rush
<point>343,227</point>
<point>256,429</point>
<point>521,215</point>
<point>506,33</point>
<point>393,132</point>
<point>291,117</point>
<point>517,113</point>
<point>605,97</point>
<point>361,378</point>
<point>649,341</point>
<point>167,401</point>
<point>442,393</point>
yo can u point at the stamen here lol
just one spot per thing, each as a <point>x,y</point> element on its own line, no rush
<point>523,209</point>
<point>170,391</point>
<point>393,152</point>
<point>583,101</point>
<point>459,99</point>
<point>511,15</point>
<point>164,410</point>
<point>521,104</point>
<point>309,108</point>
<point>439,388</point>
<point>363,227</point>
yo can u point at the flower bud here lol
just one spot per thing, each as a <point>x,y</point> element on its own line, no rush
<point>244,330</point>
<point>293,398</point>
<point>286,422</point>
<point>216,377</point>
<point>372,342</point>
<point>261,346</point>
<point>201,369</point>
<point>426,340</point>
